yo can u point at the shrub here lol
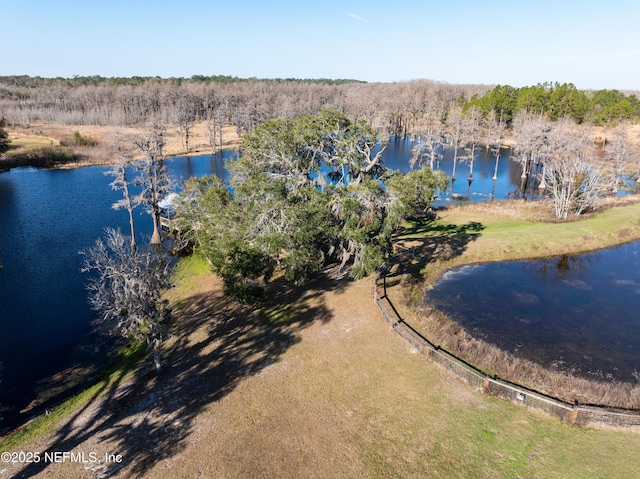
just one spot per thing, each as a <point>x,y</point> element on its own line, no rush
<point>78,140</point>
<point>4,141</point>
<point>46,157</point>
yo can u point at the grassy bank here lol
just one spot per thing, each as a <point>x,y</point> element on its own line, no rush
<point>314,385</point>
<point>509,231</point>
<point>120,370</point>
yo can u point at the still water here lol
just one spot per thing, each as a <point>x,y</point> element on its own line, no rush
<point>576,313</point>
<point>47,217</point>
<point>481,186</point>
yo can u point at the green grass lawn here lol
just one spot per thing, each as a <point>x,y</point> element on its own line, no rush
<point>475,233</point>
<point>28,142</point>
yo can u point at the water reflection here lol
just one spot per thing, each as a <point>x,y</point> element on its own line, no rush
<point>46,217</point>
<point>577,313</point>
<point>475,181</point>
<point>183,167</point>
<point>556,266</point>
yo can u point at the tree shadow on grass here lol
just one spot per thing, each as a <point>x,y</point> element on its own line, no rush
<point>426,241</point>
<point>216,344</point>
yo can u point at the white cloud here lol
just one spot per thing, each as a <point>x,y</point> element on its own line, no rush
<point>358,17</point>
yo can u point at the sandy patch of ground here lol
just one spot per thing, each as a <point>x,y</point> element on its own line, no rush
<point>50,134</point>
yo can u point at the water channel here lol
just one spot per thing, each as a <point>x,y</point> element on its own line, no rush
<point>47,217</point>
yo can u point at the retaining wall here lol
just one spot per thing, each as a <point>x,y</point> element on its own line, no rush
<point>495,386</point>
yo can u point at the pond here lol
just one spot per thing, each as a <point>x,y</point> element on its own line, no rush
<point>47,217</point>
<point>575,313</point>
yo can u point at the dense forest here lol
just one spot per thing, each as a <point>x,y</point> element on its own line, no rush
<point>544,123</point>
<point>393,108</point>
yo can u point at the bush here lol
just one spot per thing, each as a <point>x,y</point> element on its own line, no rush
<point>4,141</point>
<point>46,157</point>
<point>78,140</point>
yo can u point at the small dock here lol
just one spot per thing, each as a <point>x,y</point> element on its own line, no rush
<point>169,224</point>
<point>166,223</point>
<point>181,245</point>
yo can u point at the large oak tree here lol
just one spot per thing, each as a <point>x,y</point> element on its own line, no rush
<point>304,193</point>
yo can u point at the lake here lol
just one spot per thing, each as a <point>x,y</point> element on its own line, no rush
<point>47,217</point>
<point>574,313</point>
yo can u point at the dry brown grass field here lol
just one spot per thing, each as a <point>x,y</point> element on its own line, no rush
<point>314,385</point>
<point>42,135</point>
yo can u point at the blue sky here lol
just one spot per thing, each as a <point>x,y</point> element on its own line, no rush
<point>591,44</point>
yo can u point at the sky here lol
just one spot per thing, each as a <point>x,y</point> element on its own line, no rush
<point>592,44</point>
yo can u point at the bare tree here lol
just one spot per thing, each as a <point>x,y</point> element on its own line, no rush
<point>213,126</point>
<point>494,137</point>
<point>128,287</point>
<point>429,136</point>
<point>577,181</point>
<point>153,177</point>
<point>185,119</point>
<point>472,136</point>
<point>121,183</point>
<point>619,154</point>
<point>533,146</point>
<point>455,134</point>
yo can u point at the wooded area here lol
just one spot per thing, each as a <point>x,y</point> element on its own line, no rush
<point>543,123</point>
<point>394,108</point>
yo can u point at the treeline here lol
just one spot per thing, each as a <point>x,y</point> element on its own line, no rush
<point>394,109</point>
<point>37,81</point>
<point>556,101</point>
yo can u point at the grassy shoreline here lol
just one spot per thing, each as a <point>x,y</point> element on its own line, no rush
<point>511,231</point>
<point>116,373</point>
<point>516,230</point>
<point>340,394</point>
<point>39,144</point>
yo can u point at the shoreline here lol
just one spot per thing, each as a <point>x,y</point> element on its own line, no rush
<point>444,330</point>
<point>44,139</point>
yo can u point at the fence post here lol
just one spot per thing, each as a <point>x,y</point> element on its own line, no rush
<point>573,415</point>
